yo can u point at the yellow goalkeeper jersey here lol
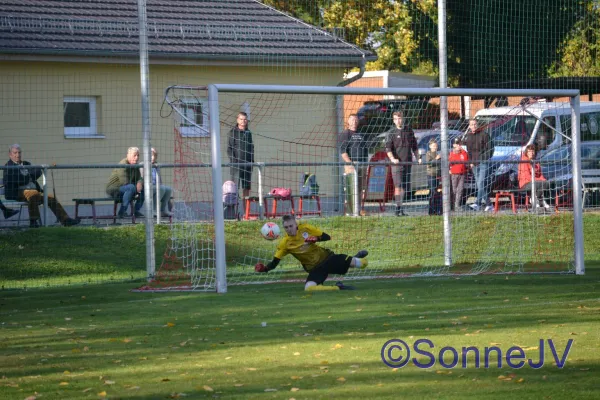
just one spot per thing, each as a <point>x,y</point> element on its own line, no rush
<point>309,254</point>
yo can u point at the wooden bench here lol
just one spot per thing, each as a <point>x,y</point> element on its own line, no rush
<point>91,201</point>
<point>11,203</point>
<point>301,198</point>
<point>510,194</point>
<point>590,182</point>
<point>590,179</point>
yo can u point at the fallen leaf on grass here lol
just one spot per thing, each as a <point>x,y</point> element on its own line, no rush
<point>250,369</point>
<point>296,354</point>
<point>270,390</point>
<point>109,382</point>
<point>170,324</point>
<point>83,391</point>
<point>207,388</point>
<point>295,377</point>
<point>520,380</point>
<point>126,340</point>
<point>102,394</point>
<point>341,379</point>
<point>294,389</point>
<point>64,384</point>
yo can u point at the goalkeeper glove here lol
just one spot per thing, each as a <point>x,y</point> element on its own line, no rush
<point>260,267</point>
<point>311,239</point>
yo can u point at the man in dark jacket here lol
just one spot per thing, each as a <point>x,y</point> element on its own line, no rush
<point>400,145</point>
<point>479,149</point>
<point>21,184</point>
<point>240,149</point>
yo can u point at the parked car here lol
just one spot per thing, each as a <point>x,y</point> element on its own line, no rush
<point>376,116</point>
<point>557,166</point>
<point>547,125</point>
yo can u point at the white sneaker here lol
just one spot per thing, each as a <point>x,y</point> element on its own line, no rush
<point>489,208</point>
<point>546,205</point>
<point>474,207</point>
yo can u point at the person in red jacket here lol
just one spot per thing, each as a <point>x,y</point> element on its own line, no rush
<point>525,179</point>
<point>458,158</point>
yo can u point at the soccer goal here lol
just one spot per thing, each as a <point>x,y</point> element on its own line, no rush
<point>377,170</point>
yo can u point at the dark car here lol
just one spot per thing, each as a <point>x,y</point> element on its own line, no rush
<point>375,116</point>
<point>557,165</point>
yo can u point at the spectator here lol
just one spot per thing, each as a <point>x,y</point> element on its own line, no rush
<point>525,181</point>
<point>126,183</point>
<point>165,191</point>
<point>480,151</point>
<point>240,149</point>
<point>400,143</point>
<point>21,184</point>
<point>458,158</point>
<point>354,148</point>
<point>300,241</point>
<point>434,168</point>
<point>7,211</point>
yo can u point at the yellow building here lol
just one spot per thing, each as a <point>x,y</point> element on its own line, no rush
<point>70,83</point>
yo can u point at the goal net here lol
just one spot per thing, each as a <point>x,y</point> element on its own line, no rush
<point>438,214</point>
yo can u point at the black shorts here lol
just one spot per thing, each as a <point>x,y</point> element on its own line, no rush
<point>336,264</point>
<point>244,174</point>
<point>401,176</point>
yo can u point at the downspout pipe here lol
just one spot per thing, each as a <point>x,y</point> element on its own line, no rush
<point>356,77</point>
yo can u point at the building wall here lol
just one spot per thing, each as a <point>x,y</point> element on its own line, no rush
<point>31,114</point>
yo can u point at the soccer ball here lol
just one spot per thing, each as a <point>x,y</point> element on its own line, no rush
<point>270,231</point>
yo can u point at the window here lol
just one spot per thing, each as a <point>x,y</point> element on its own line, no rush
<point>80,117</point>
<point>193,115</point>
<point>545,136</point>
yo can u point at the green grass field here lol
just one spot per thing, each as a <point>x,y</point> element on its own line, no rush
<point>100,340</point>
<point>103,341</point>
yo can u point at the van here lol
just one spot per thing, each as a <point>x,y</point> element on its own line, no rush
<point>545,124</point>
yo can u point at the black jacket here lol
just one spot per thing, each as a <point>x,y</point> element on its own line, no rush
<point>401,143</point>
<point>478,146</point>
<point>15,177</point>
<point>239,146</point>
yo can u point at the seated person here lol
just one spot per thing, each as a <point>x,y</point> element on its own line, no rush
<point>21,184</point>
<point>125,183</point>
<point>165,191</point>
<point>525,179</point>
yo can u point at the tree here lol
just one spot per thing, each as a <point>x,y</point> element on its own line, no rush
<point>580,51</point>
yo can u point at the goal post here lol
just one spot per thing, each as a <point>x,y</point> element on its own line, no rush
<point>296,132</point>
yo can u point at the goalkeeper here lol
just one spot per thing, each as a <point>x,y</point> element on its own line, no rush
<point>300,241</point>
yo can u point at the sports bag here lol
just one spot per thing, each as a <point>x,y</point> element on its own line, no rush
<point>284,193</point>
<point>308,184</point>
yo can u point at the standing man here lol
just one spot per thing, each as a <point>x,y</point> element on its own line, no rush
<point>400,145</point>
<point>480,151</point>
<point>126,183</point>
<point>240,149</point>
<point>354,148</point>
<point>21,184</point>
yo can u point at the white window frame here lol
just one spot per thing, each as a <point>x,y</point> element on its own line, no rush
<point>195,131</point>
<point>83,132</point>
